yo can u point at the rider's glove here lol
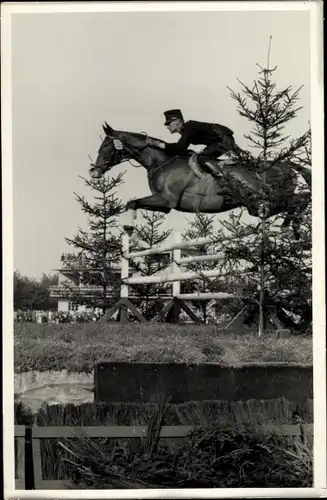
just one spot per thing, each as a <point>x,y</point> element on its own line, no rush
<point>154,143</point>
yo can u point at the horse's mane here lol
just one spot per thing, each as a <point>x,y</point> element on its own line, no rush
<point>137,135</point>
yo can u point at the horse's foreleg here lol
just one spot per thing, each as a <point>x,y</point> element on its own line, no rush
<point>156,203</point>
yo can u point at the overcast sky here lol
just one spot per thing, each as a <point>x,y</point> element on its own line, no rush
<point>70,72</point>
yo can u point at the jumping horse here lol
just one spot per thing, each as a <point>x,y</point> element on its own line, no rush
<point>175,185</point>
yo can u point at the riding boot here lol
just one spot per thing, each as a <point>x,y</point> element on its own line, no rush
<point>214,169</point>
<point>202,160</point>
<point>209,165</point>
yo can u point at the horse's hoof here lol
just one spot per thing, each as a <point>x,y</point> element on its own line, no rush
<point>129,229</point>
<point>95,173</point>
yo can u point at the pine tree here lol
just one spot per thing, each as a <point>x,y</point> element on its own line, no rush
<point>269,110</point>
<point>99,247</point>
<point>276,265</point>
<point>149,233</point>
<point>201,225</point>
<point>287,271</point>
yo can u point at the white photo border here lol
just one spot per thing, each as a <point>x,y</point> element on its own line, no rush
<point>319,356</point>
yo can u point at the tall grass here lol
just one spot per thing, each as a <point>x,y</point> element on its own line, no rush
<point>206,415</point>
<point>220,456</point>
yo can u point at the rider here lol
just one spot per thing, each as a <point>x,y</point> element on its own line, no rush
<point>218,139</point>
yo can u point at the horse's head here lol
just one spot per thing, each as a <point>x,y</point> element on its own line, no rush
<point>109,153</point>
<point>119,146</point>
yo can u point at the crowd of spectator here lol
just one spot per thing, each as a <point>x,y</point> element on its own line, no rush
<point>57,316</point>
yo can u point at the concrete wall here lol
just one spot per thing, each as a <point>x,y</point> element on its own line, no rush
<point>136,382</point>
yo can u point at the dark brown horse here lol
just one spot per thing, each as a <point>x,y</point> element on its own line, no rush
<point>174,185</point>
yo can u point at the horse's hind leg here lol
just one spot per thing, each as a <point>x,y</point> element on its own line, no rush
<point>295,212</point>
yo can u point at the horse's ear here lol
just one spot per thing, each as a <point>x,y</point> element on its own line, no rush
<point>107,129</point>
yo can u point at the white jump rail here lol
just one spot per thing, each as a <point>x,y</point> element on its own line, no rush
<point>174,275</point>
<point>205,296</point>
<point>167,248</point>
<point>178,244</point>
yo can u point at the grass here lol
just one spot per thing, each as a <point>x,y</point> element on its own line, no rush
<point>78,347</point>
<point>218,456</point>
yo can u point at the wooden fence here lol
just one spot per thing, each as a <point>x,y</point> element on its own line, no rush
<point>20,431</point>
<point>113,432</point>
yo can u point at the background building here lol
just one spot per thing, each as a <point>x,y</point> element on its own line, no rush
<point>77,278</point>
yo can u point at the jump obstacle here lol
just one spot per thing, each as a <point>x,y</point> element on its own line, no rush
<point>175,275</point>
<point>176,302</point>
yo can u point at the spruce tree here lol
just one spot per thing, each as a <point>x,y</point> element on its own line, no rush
<point>149,233</point>
<point>201,225</point>
<point>99,246</point>
<point>276,264</point>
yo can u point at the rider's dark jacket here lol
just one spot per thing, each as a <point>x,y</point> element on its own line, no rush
<point>195,132</point>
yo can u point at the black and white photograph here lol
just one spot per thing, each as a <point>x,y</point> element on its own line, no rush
<point>163,249</point>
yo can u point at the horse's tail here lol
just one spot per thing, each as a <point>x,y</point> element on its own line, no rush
<point>305,172</point>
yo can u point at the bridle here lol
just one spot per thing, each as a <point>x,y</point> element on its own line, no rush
<point>124,148</point>
<point>129,151</point>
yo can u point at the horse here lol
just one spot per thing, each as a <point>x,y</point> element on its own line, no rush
<point>174,185</point>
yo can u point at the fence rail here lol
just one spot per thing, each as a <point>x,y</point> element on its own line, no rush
<point>112,432</point>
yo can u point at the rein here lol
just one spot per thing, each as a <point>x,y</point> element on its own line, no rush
<point>131,150</point>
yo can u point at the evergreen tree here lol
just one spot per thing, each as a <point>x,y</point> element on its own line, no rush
<point>149,233</point>
<point>201,225</point>
<point>275,268</point>
<point>287,271</point>
<point>99,247</point>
